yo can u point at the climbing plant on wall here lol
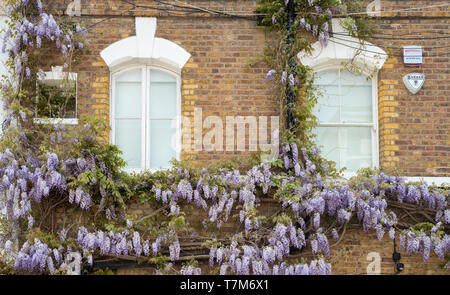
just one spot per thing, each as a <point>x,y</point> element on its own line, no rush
<point>67,201</point>
<point>297,25</point>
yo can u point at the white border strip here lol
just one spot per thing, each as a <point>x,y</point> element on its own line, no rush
<point>55,121</point>
<point>430,180</point>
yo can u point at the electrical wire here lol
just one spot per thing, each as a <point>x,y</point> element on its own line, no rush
<point>397,10</point>
<point>389,46</point>
<point>358,48</point>
<point>131,9</point>
<point>361,12</point>
<point>396,55</point>
<point>108,18</point>
<point>203,9</point>
<point>397,37</point>
<point>184,7</point>
<point>156,7</point>
<point>381,11</point>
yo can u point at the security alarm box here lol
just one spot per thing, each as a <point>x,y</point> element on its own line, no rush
<point>412,55</point>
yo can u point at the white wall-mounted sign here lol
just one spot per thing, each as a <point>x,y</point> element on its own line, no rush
<point>414,82</point>
<point>412,55</point>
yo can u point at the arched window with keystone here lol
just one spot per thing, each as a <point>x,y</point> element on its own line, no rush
<point>347,108</point>
<point>145,104</point>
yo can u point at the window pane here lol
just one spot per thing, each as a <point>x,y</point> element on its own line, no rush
<point>128,139</point>
<point>356,92</point>
<point>162,143</point>
<point>161,76</point>
<point>356,150</point>
<point>350,78</point>
<point>351,90</point>
<point>163,94</point>
<point>356,104</point>
<point>134,75</point>
<point>327,107</point>
<point>346,98</point>
<point>327,140</point>
<point>128,96</point>
<point>329,77</point>
<point>56,99</point>
<point>349,147</point>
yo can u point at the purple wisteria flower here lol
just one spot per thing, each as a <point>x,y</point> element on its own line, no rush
<point>283,77</point>
<point>270,74</point>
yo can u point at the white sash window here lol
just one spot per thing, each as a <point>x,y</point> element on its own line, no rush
<point>346,111</point>
<point>347,107</point>
<point>145,105</point>
<point>145,97</point>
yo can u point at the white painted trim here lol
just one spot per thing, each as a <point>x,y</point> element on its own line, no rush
<point>346,124</point>
<point>145,34</point>
<point>376,130</point>
<point>147,140</point>
<point>120,51</point>
<point>145,48</point>
<point>430,180</point>
<point>63,121</point>
<point>57,74</point>
<point>371,58</point>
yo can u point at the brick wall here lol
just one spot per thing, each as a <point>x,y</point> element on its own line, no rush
<point>218,78</point>
<point>349,256</point>
<point>414,129</point>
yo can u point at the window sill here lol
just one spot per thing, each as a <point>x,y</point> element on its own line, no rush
<point>348,175</point>
<point>56,121</point>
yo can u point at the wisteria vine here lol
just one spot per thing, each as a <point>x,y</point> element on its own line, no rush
<point>73,170</point>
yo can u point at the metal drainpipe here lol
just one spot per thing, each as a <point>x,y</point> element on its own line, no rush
<point>292,64</point>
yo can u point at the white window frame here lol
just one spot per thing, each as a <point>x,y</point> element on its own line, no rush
<point>145,107</point>
<point>144,49</point>
<point>336,65</point>
<point>58,75</point>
